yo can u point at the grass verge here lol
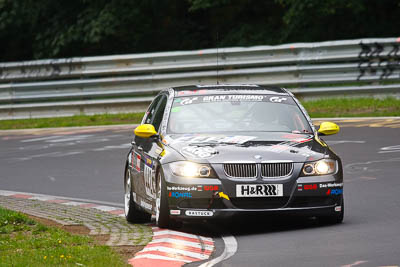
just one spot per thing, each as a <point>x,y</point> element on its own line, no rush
<point>322,108</point>
<point>79,120</point>
<point>353,107</point>
<point>24,242</point>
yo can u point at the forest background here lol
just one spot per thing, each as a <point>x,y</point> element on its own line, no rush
<point>37,29</point>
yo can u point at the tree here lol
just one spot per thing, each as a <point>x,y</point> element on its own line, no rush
<point>33,29</point>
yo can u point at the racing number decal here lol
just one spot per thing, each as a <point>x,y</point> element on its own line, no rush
<point>149,181</point>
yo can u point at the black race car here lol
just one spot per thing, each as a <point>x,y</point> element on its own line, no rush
<point>212,151</point>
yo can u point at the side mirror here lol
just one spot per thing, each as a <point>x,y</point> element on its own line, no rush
<point>328,128</point>
<point>145,131</point>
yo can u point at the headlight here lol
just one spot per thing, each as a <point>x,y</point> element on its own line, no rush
<point>191,169</point>
<point>320,167</point>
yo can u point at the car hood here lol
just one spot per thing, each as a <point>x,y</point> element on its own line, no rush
<point>253,146</point>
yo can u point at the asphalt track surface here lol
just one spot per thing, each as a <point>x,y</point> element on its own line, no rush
<point>88,164</point>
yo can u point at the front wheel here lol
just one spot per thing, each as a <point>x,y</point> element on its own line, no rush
<point>162,209</point>
<point>132,213</point>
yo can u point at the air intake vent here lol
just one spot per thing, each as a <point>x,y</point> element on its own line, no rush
<point>240,170</point>
<point>275,170</point>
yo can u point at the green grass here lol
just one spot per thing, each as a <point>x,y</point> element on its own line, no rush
<point>24,242</point>
<point>331,107</point>
<point>79,120</point>
<point>353,107</point>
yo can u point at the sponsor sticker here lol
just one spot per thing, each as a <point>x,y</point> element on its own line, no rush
<point>301,187</point>
<point>211,188</point>
<point>231,98</point>
<point>310,187</point>
<point>245,97</point>
<point>180,194</point>
<point>149,162</point>
<point>184,99</point>
<point>214,98</point>
<point>183,188</point>
<point>175,212</point>
<point>202,213</point>
<point>334,192</point>
<point>259,190</point>
<point>329,185</point>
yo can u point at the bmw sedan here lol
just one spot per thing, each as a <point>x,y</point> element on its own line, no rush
<point>204,152</point>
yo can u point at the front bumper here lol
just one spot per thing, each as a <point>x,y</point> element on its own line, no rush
<point>226,213</point>
<point>199,198</point>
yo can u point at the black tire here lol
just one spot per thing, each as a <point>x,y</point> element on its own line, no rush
<point>133,213</point>
<point>333,219</point>
<point>162,209</point>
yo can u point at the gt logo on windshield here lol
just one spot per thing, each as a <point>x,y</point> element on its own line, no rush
<point>188,100</point>
<point>277,99</point>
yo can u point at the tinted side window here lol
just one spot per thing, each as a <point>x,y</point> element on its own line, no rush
<point>157,118</point>
<point>151,111</point>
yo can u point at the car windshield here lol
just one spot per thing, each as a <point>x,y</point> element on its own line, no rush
<point>236,113</point>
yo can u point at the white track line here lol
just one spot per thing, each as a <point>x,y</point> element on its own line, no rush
<point>158,257</point>
<point>73,203</point>
<point>7,193</point>
<point>230,249</point>
<point>176,251</point>
<point>171,232</point>
<point>354,263</point>
<point>182,242</point>
<point>42,196</point>
<point>105,208</point>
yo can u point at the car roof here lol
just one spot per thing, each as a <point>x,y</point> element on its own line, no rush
<point>227,88</point>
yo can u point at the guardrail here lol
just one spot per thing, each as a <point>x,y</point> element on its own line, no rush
<point>127,83</point>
